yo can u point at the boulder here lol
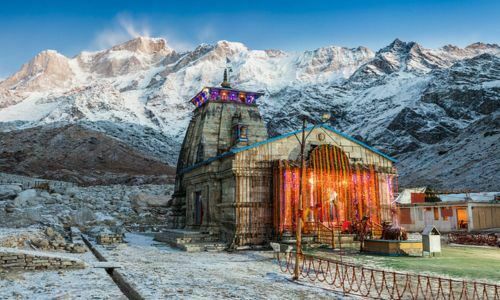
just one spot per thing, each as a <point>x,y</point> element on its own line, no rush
<point>78,249</point>
<point>25,197</point>
<point>49,231</point>
<point>143,200</point>
<point>9,207</point>
<point>9,191</point>
<point>71,191</point>
<point>41,243</point>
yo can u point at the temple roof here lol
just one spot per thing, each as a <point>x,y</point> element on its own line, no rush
<point>233,151</point>
<point>222,94</point>
<point>236,150</point>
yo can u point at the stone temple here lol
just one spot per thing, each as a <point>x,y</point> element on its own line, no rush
<point>240,186</point>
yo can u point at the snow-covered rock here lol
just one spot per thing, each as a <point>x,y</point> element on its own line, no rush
<point>25,197</point>
<point>9,191</point>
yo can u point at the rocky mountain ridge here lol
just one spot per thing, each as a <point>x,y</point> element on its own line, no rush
<point>403,99</point>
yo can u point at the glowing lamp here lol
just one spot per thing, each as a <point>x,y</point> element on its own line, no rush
<point>233,96</point>
<point>250,99</point>
<point>242,97</point>
<point>224,95</point>
<point>214,94</point>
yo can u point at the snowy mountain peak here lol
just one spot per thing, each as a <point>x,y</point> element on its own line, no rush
<point>48,69</point>
<point>145,45</point>
<point>229,49</point>
<point>483,46</point>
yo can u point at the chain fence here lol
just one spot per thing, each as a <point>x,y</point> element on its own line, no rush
<point>382,284</point>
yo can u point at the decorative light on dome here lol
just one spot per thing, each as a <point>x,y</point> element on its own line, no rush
<point>224,95</point>
<point>250,99</point>
<point>233,95</point>
<point>242,97</point>
<point>214,94</point>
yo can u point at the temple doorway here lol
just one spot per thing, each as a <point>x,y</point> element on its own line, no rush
<point>198,209</point>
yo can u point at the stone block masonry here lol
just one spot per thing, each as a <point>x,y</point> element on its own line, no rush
<point>106,239</point>
<point>23,260</point>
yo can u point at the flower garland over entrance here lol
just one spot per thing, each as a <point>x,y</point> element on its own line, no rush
<point>337,192</point>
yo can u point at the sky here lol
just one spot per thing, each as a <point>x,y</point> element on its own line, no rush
<point>28,27</point>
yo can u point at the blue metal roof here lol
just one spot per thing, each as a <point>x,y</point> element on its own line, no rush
<point>236,150</point>
<point>279,137</point>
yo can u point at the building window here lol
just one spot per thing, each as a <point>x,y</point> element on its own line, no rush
<point>446,212</point>
<point>240,133</point>
<point>200,153</point>
<point>436,213</point>
<point>405,216</point>
<point>198,208</point>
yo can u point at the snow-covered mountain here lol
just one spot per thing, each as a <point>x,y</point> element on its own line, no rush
<point>404,99</point>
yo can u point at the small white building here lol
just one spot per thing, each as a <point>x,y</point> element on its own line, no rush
<point>405,196</point>
<point>470,212</point>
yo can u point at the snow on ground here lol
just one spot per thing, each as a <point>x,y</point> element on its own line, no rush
<point>160,272</point>
<point>88,283</point>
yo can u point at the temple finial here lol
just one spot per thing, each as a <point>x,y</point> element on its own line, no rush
<point>225,83</point>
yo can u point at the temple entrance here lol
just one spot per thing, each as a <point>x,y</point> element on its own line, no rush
<point>337,194</point>
<point>198,209</point>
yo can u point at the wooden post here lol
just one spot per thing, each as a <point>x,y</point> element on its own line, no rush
<point>298,230</point>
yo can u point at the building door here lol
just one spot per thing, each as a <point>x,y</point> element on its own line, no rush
<point>462,218</point>
<point>198,208</point>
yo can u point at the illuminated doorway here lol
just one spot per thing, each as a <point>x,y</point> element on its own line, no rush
<point>462,218</point>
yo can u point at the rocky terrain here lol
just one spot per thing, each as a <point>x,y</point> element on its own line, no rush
<point>63,205</point>
<point>436,110</point>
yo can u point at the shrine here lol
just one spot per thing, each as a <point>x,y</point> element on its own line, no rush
<point>242,187</point>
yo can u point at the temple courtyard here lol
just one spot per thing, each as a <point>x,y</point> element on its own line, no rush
<point>157,271</point>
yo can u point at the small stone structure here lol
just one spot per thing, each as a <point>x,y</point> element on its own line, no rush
<point>393,247</point>
<point>107,235</point>
<point>14,259</point>
<point>106,239</point>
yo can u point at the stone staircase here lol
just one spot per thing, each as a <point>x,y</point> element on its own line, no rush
<point>337,240</point>
<point>324,239</point>
<point>190,240</point>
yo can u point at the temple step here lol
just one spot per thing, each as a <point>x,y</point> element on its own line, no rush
<point>201,247</point>
<point>190,240</point>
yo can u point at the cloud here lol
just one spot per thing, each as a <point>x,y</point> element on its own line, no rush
<point>176,43</point>
<point>124,29</point>
<point>207,33</point>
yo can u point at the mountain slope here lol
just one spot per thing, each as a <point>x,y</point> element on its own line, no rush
<point>404,99</point>
<point>74,153</point>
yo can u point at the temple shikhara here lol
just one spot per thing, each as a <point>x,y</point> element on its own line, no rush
<point>242,186</point>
